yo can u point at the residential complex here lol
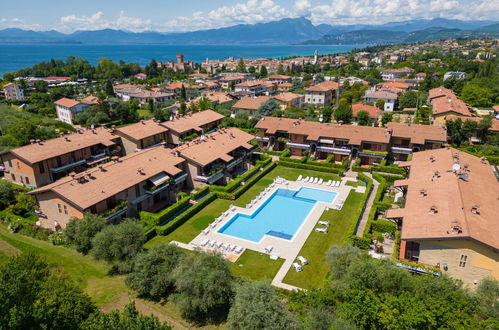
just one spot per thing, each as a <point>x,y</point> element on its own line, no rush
<point>449,219</point>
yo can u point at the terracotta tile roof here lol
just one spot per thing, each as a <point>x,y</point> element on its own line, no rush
<point>372,110</point>
<point>418,133</point>
<point>68,103</point>
<point>36,152</point>
<point>288,97</point>
<point>324,86</point>
<point>214,146</point>
<point>250,103</point>
<point>116,177</point>
<point>452,197</point>
<point>193,121</point>
<point>315,130</point>
<point>385,95</point>
<point>142,129</point>
<point>493,128</point>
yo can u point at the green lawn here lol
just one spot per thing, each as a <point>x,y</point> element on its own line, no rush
<point>189,230</point>
<point>317,244</point>
<point>256,266</point>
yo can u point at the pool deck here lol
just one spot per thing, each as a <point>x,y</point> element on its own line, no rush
<point>282,248</point>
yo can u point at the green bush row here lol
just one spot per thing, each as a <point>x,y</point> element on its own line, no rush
<point>311,167</point>
<point>182,218</point>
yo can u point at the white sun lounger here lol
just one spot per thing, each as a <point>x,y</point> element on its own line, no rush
<point>320,181</point>
<point>321,230</point>
<point>299,178</point>
<point>302,260</point>
<point>205,242</point>
<point>297,266</point>
<point>324,223</point>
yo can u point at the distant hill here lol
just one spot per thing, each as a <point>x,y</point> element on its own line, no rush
<point>285,31</point>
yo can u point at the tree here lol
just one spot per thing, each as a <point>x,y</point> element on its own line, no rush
<point>268,108</point>
<point>61,304</point>
<point>7,194</point>
<point>152,271</point>
<point>363,118</point>
<point>183,93</point>
<point>380,104</point>
<point>119,242</point>
<point>263,71</point>
<point>344,113</point>
<point>386,118</point>
<point>240,66</point>
<point>204,287</point>
<point>109,88</point>
<point>129,318</point>
<point>477,96</point>
<point>256,306</point>
<point>408,100</point>
<point>340,258</point>
<point>80,232</point>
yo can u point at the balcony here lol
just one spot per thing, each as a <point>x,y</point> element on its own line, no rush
<point>68,166</point>
<point>340,151</point>
<point>402,150</point>
<point>373,153</point>
<point>262,139</point>
<point>298,145</point>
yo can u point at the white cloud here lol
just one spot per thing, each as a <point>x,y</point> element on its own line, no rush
<point>97,21</point>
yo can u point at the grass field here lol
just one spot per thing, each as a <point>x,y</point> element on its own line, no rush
<point>200,221</point>
<point>317,244</point>
<point>256,266</point>
<point>108,292</point>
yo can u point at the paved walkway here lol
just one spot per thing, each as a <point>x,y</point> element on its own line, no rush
<point>367,209</point>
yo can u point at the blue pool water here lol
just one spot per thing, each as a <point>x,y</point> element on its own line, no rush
<point>280,215</point>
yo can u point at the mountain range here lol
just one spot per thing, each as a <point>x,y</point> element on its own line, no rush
<point>285,31</point>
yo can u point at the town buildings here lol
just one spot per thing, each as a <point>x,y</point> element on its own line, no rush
<point>13,92</point>
<point>449,219</point>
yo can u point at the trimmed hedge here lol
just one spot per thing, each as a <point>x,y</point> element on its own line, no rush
<point>383,226</point>
<point>311,167</point>
<point>182,218</point>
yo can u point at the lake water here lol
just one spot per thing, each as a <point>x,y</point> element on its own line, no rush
<point>15,57</point>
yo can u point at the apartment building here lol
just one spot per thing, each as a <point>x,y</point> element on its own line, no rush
<point>67,108</point>
<point>198,122</point>
<point>43,162</point>
<point>214,158</point>
<point>322,94</point>
<point>409,138</point>
<point>370,144</point>
<point>141,135</point>
<point>444,103</point>
<point>13,92</point>
<point>449,219</point>
<point>116,189</point>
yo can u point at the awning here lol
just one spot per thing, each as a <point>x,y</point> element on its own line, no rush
<point>159,179</point>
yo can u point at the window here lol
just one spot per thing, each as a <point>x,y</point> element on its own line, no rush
<point>65,209</point>
<point>59,206</point>
<point>462,262</point>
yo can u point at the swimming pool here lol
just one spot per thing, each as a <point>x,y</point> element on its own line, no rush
<point>280,215</point>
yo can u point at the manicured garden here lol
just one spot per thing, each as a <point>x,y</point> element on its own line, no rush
<point>253,265</point>
<point>192,227</point>
<point>315,247</point>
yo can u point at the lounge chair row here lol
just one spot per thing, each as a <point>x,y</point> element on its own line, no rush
<point>224,247</point>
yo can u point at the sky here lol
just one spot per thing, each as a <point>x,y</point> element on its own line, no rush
<point>190,15</point>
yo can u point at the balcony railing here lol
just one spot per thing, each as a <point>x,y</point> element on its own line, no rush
<point>68,166</point>
<point>297,145</point>
<point>375,154</point>
<point>340,151</point>
<point>401,150</point>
